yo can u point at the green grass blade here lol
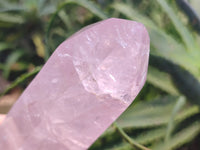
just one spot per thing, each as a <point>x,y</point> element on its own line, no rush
<point>65,18</point>
<point>161,80</point>
<point>144,138</point>
<point>185,34</point>
<point>180,103</point>
<point>6,6</point>
<point>121,146</point>
<point>10,18</point>
<point>182,137</point>
<point>142,115</point>
<point>132,14</point>
<point>154,113</point>
<point>185,82</point>
<point>12,58</point>
<point>130,140</point>
<point>151,135</point>
<point>4,46</point>
<point>167,47</point>
<point>90,6</point>
<point>20,80</point>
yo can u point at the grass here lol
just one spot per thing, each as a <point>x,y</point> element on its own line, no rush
<point>166,112</point>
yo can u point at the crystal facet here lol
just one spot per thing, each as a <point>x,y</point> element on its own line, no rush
<point>90,79</point>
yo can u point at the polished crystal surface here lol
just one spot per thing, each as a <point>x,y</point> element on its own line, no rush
<point>90,79</point>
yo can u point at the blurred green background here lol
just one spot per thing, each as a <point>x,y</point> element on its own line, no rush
<point>165,115</point>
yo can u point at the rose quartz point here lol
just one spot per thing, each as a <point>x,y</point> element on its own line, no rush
<point>90,79</point>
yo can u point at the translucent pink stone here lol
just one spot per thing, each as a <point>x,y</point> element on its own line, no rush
<point>90,79</point>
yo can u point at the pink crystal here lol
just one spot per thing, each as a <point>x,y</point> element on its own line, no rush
<point>87,83</point>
